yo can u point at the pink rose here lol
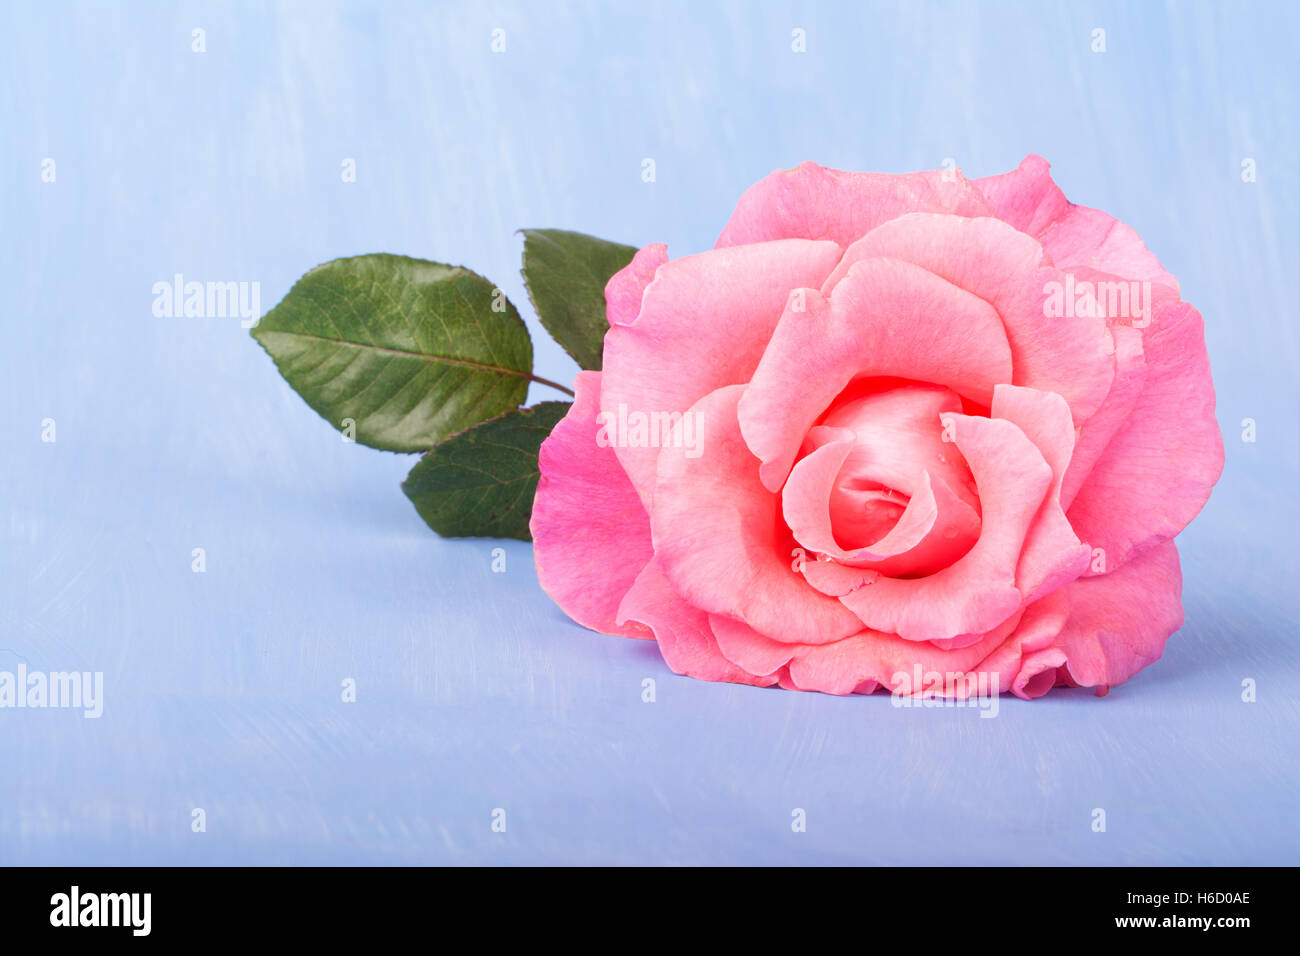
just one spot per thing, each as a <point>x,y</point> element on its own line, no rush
<point>888,426</point>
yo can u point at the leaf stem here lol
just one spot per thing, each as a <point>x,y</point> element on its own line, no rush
<point>555,385</point>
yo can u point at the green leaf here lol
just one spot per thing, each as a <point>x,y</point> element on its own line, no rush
<point>480,483</point>
<point>410,351</point>
<point>565,273</point>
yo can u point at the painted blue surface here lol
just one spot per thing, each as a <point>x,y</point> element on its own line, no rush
<point>222,689</point>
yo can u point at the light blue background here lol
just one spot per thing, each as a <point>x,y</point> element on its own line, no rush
<point>223,688</point>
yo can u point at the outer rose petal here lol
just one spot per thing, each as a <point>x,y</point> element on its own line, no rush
<point>813,202</point>
<point>977,592</point>
<point>1157,471</point>
<point>886,318</point>
<point>1097,431</point>
<point>1022,661</point>
<point>856,664</point>
<point>716,536</point>
<point>591,536</point>
<point>704,323</point>
<point>625,287</point>
<point>685,640</point>
<point>1038,673</point>
<point>1072,235</point>
<point>1070,356</point>
<point>1119,622</point>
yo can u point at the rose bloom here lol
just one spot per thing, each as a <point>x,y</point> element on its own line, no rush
<point>889,426</point>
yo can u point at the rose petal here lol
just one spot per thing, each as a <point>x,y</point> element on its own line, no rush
<point>814,202</point>
<point>1097,431</point>
<point>832,578</point>
<point>625,287</point>
<point>919,326</point>
<point>1038,673</point>
<point>685,640</point>
<point>1157,472</point>
<point>1070,355</point>
<point>898,435</point>
<point>1052,553</point>
<point>704,323</point>
<point>1028,199</point>
<point>718,539</point>
<point>886,318</point>
<point>977,592</point>
<point>1017,661</point>
<point>1119,622</point>
<point>591,536</point>
<point>935,528</point>
<point>842,667</point>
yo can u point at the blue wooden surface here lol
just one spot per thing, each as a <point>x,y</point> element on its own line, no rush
<point>222,689</point>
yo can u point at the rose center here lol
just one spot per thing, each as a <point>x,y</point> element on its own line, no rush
<point>864,511</point>
<point>897,452</point>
